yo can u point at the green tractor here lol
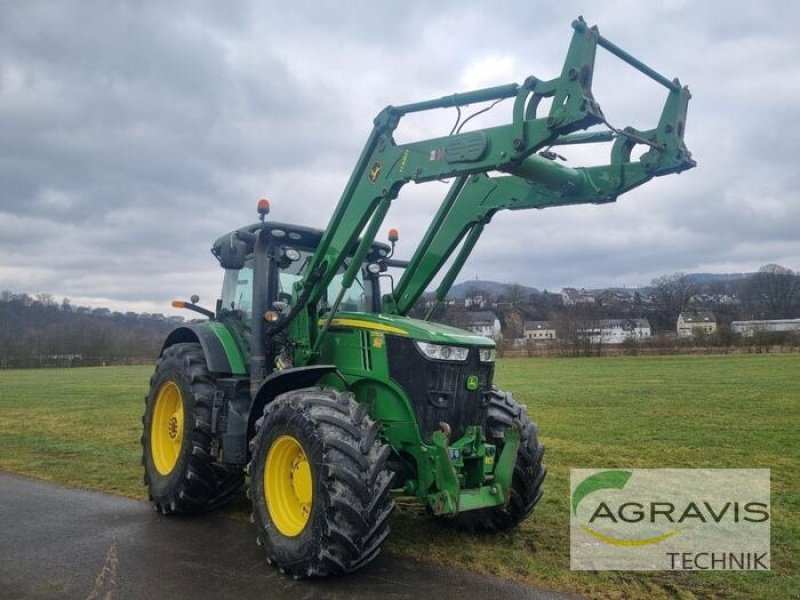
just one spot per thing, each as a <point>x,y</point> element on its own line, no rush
<point>312,380</point>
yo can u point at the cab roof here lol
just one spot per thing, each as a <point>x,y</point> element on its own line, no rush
<point>296,236</point>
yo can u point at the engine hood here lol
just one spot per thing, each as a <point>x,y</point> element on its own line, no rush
<point>417,329</point>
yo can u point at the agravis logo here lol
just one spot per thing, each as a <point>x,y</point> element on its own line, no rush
<point>670,518</point>
<point>604,481</point>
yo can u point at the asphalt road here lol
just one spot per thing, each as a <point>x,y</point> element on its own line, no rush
<point>58,542</point>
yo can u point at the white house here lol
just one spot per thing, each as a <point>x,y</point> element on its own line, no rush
<point>476,300</point>
<point>616,331</point>
<point>539,331</point>
<point>694,322</point>
<point>483,322</point>
<point>749,328</point>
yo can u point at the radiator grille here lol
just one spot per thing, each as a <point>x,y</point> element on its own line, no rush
<point>437,390</point>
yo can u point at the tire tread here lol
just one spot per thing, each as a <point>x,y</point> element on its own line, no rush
<point>202,485</point>
<point>356,501</point>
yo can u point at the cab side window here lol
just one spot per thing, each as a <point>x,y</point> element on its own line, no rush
<point>237,290</point>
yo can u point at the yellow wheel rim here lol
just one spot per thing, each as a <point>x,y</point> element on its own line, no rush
<point>288,486</point>
<point>166,430</point>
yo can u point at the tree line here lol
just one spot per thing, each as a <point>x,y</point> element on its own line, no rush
<point>38,331</point>
<point>773,292</point>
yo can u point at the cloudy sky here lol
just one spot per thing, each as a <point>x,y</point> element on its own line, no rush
<point>132,134</point>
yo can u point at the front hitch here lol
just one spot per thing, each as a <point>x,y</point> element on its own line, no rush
<point>450,498</point>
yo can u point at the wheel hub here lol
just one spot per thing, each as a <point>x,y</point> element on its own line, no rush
<point>288,486</point>
<point>172,427</point>
<point>166,429</point>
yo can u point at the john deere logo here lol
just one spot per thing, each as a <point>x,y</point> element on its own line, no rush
<point>375,171</point>
<point>472,383</point>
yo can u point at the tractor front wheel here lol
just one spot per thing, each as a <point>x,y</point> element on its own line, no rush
<point>179,470</point>
<point>529,472</point>
<point>319,486</point>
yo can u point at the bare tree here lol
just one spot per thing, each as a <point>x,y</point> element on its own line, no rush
<point>773,292</point>
<point>579,331</point>
<point>516,293</point>
<point>46,299</point>
<point>513,323</point>
<point>672,293</point>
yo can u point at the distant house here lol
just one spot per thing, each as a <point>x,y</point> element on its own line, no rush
<point>475,300</point>
<point>693,322</point>
<point>614,298</point>
<point>749,328</point>
<point>727,299</point>
<point>706,299</point>
<point>446,302</point>
<point>539,331</point>
<point>616,331</point>
<point>483,322</point>
<point>571,297</point>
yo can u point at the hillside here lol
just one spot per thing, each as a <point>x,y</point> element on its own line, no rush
<point>39,332</point>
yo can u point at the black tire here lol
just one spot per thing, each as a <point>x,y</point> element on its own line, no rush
<point>348,518</point>
<point>529,472</point>
<point>195,484</point>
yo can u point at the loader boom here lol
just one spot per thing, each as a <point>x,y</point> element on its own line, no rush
<point>530,180</point>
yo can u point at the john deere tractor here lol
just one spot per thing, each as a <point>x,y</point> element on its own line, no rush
<point>312,380</point>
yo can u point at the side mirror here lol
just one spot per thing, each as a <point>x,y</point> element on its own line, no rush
<point>232,253</point>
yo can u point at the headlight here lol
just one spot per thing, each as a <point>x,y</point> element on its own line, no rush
<point>486,354</point>
<point>438,352</point>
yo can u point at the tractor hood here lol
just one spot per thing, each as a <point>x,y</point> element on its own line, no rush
<point>425,331</point>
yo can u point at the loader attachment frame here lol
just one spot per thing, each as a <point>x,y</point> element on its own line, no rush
<point>527,180</point>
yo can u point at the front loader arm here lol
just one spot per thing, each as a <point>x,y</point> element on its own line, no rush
<point>475,200</point>
<point>538,183</point>
<point>385,166</point>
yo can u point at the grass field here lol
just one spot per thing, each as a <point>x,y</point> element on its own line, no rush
<point>81,427</point>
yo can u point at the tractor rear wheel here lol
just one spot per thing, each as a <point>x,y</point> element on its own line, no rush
<point>529,472</point>
<point>179,470</point>
<point>319,485</point>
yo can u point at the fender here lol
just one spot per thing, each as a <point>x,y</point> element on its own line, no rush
<point>222,354</point>
<point>284,381</point>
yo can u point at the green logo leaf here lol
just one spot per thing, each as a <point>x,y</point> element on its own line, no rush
<point>614,480</point>
<point>599,481</point>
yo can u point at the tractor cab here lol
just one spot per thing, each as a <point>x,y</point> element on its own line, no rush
<point>287,255</point>
<point>262,272</point>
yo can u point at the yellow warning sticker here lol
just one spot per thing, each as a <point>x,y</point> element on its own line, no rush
<point>377,339</point>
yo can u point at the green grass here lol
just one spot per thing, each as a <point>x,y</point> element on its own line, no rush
<point>82,426</point>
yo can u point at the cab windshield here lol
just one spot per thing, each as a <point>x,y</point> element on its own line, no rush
<point>237,287</point>
<point>359,298</point>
